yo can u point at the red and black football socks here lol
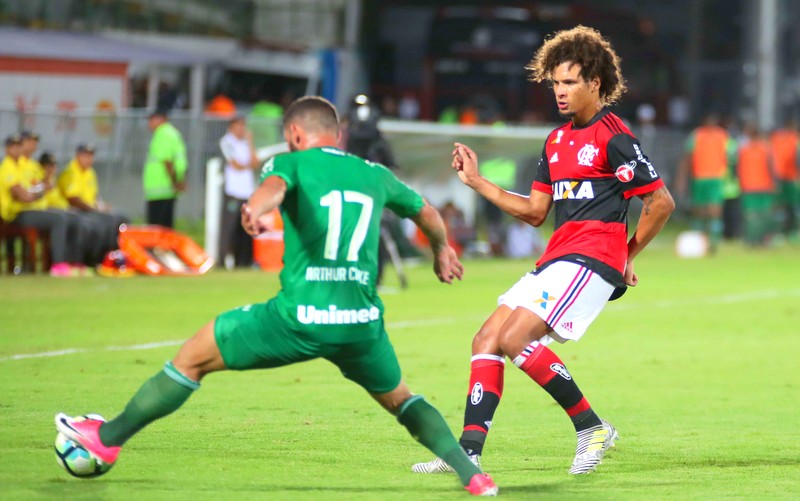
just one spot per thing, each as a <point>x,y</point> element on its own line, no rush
<point>485,390</point>
<point>549,372</point>
<point>429,428</point>
<point>159,396</point>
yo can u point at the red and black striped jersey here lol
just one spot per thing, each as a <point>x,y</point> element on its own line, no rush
<point>592,172</point>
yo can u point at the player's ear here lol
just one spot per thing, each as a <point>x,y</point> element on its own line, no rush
<point>295,135</point>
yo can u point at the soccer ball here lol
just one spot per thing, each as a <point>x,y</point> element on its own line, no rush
<point>75,459</point>
<point>692,244</point>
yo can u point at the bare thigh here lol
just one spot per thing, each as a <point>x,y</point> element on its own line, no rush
<point>520,329</point>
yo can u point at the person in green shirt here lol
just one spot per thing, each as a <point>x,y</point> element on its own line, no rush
<point>164,170</point>
<point>328,306</point>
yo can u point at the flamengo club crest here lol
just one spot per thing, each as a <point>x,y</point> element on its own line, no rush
<point>476,395</point>
<point>625,171</point>
<point>586,154</point>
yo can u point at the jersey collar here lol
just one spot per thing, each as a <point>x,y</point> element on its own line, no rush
<point>596,118</point>
<point>331,149</point>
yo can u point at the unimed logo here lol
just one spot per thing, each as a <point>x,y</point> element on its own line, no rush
<point>309,314</point>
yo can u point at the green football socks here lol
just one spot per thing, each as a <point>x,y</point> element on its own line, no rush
<point>715,229</point>
<point>159,396</point>
<point>429,428</point>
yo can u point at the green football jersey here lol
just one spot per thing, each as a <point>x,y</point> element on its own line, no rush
<point>331,217</point>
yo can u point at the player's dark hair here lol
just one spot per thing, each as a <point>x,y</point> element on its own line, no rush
<point>586,47</point>
<point>312,112</point>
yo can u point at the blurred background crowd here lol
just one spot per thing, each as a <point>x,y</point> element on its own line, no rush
<point>702,75</point>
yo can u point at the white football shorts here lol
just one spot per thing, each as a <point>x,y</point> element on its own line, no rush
<point>566,295</point>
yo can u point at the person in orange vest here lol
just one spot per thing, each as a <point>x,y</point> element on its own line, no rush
<point>705,162</point>
<point>785,146</point>
<point>757,182</point>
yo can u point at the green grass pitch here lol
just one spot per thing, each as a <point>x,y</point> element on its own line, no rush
<point>697,367</point>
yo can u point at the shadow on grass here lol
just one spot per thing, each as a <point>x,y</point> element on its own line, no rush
<point>388,489</point>
<point>74,488</point>
<point>96,489</point>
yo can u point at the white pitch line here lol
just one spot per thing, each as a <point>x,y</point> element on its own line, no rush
<point>432,321</point>
<point>725,299</point>
<point>56,353</point>
<point>146,346</point>
<point>162,344</point>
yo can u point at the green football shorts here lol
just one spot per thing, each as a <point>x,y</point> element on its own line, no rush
<point>707,192</point>
<point>257,337</point>
<point>757,202</point>
<point>788,193</point>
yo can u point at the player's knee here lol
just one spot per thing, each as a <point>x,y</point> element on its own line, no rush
<point>184,364</point>
<point>394,400</point>
<point>486,340</point>
<point>403,401</point>
<point>195,359</point>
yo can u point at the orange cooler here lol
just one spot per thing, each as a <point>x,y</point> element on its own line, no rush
<point>268,247</point>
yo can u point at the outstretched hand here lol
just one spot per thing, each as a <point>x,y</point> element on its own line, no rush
<point>465,162</point>
<point>447,266</point>
<point>251,224</point>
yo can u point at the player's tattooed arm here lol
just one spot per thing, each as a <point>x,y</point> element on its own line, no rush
<point>658,205</point>
<point>648,201</point>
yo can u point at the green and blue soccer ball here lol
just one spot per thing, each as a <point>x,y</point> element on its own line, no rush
<point>75,459</point>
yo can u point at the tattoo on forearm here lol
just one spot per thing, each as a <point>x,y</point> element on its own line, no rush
<point>648,200</point>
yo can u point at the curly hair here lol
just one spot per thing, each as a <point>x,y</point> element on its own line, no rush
<point>586,47</point>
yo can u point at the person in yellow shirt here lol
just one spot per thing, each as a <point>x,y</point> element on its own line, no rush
<point>78,184</point>
<point>22,203</point>
<point>30,143</point>
<point>53,197</point>
<point>93,247</point>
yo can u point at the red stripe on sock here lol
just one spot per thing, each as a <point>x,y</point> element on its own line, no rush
<point>537,366</point>
<point>474,427</point>
<point>489,373</point>
<point>576,409</point>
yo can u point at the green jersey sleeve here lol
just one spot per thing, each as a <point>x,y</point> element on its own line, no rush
<point>401,199</point>
<point>284,166</point>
